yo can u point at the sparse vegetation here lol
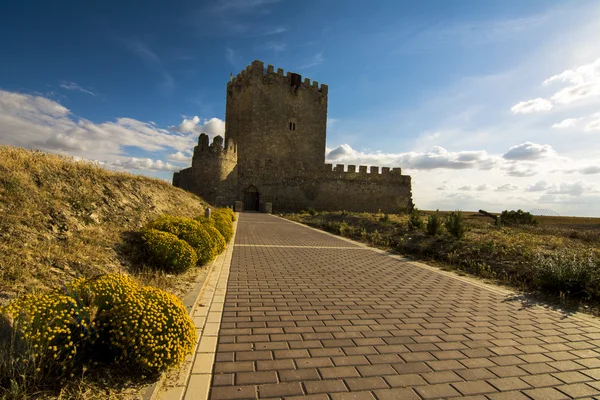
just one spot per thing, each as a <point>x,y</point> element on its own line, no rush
<point>414,220</point>
<point>455,224</point>
<point>557,257</point>
<point>434,224</point>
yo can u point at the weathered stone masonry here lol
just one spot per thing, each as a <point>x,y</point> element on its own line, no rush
<point>274,152</point>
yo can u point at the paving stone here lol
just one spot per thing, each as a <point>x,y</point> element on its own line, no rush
<point>508,384</point>
<point>356,384</point>
<point>578,390</point>
<point>404,380</point>
<point>436,391</point>
<point>352,396</point>
<point>280,390</point>
<point>545,394</point>
<point>396,394</point>
<point>441,377</point>
<point>327,386</point>
<point>233,392</point>
<point>338,372</point>
<point>475,374</point>
<point>305,374</point>
<point>474,387</point>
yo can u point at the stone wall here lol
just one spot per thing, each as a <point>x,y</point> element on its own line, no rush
<point>328,190</point>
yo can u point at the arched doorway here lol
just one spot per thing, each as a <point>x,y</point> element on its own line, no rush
<point>251,199</point>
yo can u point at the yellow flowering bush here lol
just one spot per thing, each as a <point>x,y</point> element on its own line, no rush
<point>166,251</point>
<point>217,241</point>
<point>188,230</point>
<point>142,327</point>
<point>46,333</point>
<point>227,211</point>
<point>222,221</point>
<point>110,320</point>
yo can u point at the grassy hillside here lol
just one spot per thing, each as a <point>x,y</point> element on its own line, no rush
<point>61,219</point>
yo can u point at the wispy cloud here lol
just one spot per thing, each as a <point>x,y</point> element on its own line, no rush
<point>315,60</point>
<point>152,61</point>
<point>76,87</point>
<point>242,6</point>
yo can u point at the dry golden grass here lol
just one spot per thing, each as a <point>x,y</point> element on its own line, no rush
<point>61,219</point>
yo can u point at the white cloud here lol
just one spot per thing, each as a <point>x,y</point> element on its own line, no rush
<point>572,188</point>
<point>212,127</point>
<point>506,187</point>
<point>531,106</point>
<point>581,82</point>
<point>529,151</point>
<point>566,123</point>
<point>179,157</point>
<point>75,86</point>
<point>539,186</point>
<point>36,122</point>
<point>146,164</point>
<point>437,157</point>
<point>465,188</point>
<point>482,187</point>
<point>594,124</point>
<point>521,170</point>
<point>590,170</point>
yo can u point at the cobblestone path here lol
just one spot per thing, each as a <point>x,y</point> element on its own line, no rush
<point>311,315</point>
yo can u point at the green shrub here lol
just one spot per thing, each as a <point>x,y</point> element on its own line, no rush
<point>223,224</point>
<point>167,252</point>
<point>189,230</point>
<point>434,224</point>
<point>455,224</point>
<point>567,274</point>
<point>414,220</point>
<point>377,238</point>
<point>384,218</point>
<point>143,328</point>
<point>311,211</point>
<point>518,217</point>
<point>345,229</point>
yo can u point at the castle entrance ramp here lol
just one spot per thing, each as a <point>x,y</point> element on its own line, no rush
<point>251,199</point>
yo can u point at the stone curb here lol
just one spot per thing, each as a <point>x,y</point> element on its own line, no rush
<point>205,306</point>
<point>492,288</point>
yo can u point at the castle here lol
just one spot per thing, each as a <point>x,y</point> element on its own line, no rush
<point>273,154</point>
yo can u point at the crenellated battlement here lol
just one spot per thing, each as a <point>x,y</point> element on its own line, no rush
<point>270,76</point>
<point>218,149</point>
<point>362,170</point>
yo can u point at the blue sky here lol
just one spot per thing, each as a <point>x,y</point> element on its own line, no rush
<point>487,104</point>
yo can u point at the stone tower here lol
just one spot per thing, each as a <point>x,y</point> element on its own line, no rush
<point>213,172</point>
<point>276,118</point>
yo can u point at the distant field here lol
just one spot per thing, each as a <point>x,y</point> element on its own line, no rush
<point>566,222</point>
